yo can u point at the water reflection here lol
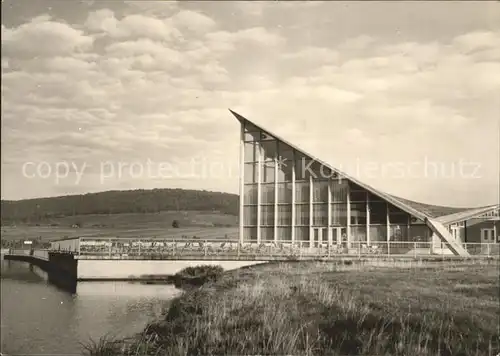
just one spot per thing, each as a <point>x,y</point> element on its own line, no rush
<point>39,318</point>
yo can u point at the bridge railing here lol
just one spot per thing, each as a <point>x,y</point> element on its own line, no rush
<point>42,254</point>
<point>157,249</point>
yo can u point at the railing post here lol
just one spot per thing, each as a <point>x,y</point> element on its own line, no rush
<point>488,249</point>
<point>300,249</point>
<point>388,248</point>
<point>415,249</point>
<point>205,245</point>
<point>238,249</point>
<point>109,250</point>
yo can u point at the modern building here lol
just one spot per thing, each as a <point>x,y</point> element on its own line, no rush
<point>288,195</point>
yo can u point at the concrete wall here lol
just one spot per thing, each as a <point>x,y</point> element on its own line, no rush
<point>135,269</point>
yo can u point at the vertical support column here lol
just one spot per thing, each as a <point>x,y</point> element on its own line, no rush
<point>311,221</point>
<point>259,178</point>
<point>388,228</point>
<point>110,247</point>
<point>242,180</point>
<point>293,196</point>
<point>368,219</point>
<point>329,231</point>
<point>408,227</point>
<point>348,215</point>
<point>276,158</point>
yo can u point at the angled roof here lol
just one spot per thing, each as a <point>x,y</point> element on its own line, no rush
<point>443,214</point>
<point>433,211</point>
<point>465,215</point>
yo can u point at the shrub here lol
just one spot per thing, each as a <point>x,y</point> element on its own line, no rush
<point>197,276</point>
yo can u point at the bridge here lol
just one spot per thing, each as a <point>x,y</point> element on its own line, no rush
<point>101,258</point>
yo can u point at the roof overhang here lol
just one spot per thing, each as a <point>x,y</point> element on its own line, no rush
<point>466,215</point>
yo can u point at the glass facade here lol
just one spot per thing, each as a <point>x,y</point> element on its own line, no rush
<point>287,195</point>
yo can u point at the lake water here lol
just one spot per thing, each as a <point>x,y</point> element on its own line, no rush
<point>37,318</point>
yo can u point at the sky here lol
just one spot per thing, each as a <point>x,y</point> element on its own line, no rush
<point>121,95</point>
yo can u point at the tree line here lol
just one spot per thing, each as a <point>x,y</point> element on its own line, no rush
<point>117,202</point>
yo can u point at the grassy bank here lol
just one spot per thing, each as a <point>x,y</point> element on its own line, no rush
<point>318,308</point>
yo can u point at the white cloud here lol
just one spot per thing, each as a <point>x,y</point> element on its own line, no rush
<point>132,26</point>
<point>193,21</point>
<point>477,40</point>
<point>60,38</point>
<point>255,35</point>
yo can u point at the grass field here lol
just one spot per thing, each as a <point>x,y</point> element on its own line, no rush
<point>192,223</point>
<point>319,309</point>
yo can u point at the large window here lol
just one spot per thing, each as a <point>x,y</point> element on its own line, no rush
<point>269,150</point>
<point>339,190</point>
<point>250,172</point>
<point>378,213</point>
<point>358,214</point>
<point>358,196</point>
<point>301,234</point>
<point>252,133</point>
<point>285,214</point>
<point>358,233</point>
<point>302,192</point>
<point>268,172</point>
<point>320,214</point>
<point>267,193</point>
<point>339,214</point>
<point>301,164</point>
<point>320,191</point>
<point>266,233</point>
<point>302,214</point>
<point>284,233</point>
<point>378,233</point>
<point>250,234</point>
<point>267,215</point>
<point>250,195</point>
<point>398,216</point>
<point>285,163</point>
<point>375,198</point>
<point>285,192</point>
<point>419,233</point>
<point>250,215</point>
<point>398,233</point>
<point>251,151</point>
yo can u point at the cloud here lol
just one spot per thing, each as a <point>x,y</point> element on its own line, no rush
<point>255,36</point>
<point>477,40</point>
<point>131,26</point>
<point>24,40</point>
<point>193,21</point>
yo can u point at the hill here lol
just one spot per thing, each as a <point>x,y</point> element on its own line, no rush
<point>43,210</point>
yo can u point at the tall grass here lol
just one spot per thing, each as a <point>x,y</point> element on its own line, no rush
<point>288,310</point>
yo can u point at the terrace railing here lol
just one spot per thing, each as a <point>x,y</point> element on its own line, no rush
<point>172,249</point>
